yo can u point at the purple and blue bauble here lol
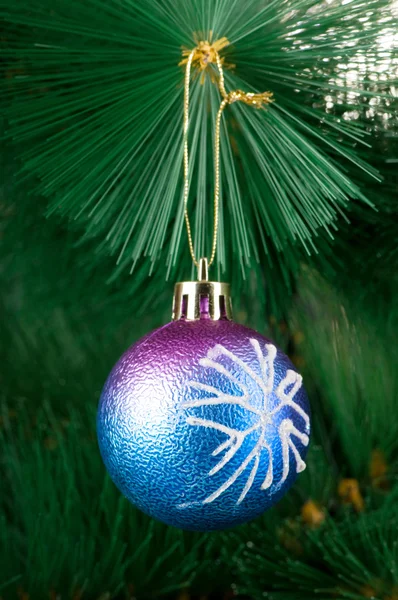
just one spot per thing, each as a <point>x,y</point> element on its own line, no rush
<point>204,424</point>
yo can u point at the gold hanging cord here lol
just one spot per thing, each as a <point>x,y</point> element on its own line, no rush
<point>203,54</point>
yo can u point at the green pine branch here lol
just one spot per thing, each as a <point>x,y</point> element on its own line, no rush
<point>94,103</point>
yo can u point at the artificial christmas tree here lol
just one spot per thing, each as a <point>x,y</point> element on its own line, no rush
<point>93,190</point>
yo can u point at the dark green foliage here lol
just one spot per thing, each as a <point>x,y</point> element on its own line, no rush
<point>350,558</point>
<point>64,525</point>
<point>95,100</point>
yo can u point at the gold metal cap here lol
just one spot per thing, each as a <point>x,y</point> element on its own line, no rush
<point>202,299</point>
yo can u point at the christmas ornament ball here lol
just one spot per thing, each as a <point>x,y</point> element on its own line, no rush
<point>204,424</point>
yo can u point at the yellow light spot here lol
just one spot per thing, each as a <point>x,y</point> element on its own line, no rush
<point>350,493</point>
<point>313,515</point>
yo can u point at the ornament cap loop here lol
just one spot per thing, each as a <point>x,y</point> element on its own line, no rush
<point>203,270</point>
<point>202,299</point>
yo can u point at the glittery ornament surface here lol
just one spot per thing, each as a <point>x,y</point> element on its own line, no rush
<point>204,424</point>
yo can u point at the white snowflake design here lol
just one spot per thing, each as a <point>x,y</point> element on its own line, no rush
<point>265,416</point>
